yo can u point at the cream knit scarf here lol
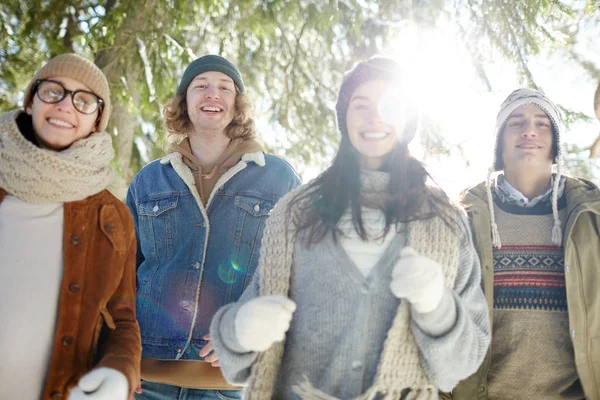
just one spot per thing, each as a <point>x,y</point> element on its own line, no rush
<point>399,368</point>
<point>42,176</point>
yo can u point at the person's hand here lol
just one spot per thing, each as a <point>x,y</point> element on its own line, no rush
<point>101,384</point>
<point>263,321</point>
<point>138,390</point>
<point>205,353</point>
<point>419,280</point>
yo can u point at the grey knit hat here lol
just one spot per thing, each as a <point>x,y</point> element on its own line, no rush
<point>516,99</point>
<point>364,71</point>
<point>207,63</point>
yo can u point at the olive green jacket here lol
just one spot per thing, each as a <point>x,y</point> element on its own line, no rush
<point>582,276</point>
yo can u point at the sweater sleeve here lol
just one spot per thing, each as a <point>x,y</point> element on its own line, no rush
<point>454,338</point>
<point>235,361</point>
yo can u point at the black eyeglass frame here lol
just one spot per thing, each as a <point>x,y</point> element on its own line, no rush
<point>66,92</point>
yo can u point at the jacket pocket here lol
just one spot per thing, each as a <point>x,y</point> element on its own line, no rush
<point>156,207</point>
<point>108,320</point>
<point>254,206</point>
<point>112,227</point>
<point>104,318</point>
<point>157,224</point>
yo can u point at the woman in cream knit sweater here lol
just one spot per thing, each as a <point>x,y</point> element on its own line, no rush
<point>368,284</point>
<point>67,246</point>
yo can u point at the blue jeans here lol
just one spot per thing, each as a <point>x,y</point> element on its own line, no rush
<point>160,391</point>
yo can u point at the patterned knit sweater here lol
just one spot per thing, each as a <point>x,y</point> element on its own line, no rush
<point>532,353</point>
<point>338,340</point>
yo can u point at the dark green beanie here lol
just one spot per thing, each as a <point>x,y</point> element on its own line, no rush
<point>207,63</point>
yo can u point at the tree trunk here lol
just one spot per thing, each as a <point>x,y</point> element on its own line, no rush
<point>122,127</point>
<point>597,101</point>
<point>595,148</point>
<point>123,124</point>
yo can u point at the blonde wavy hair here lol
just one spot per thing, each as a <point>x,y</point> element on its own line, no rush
<point>178,123</point>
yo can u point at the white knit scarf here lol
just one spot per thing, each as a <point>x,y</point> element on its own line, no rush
<point>41,176</point>
<point>399,373</point>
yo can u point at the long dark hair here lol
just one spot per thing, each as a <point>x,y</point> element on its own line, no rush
<point>319,208</point>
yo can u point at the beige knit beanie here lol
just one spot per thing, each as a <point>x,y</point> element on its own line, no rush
<point>82,70</point>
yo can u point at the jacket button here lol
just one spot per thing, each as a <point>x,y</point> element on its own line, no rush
<point>482,389</point>
<point>74,288</point>
<point>75,239</point>
<point>196,265</point>
<point>67,340</point>
<point>109,228</point>
<point>257,208</point>
<point>56,395</point>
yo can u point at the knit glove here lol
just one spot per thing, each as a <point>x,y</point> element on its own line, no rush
<point>419,280</point>
<point>101,384</point>
<point>263,321</point>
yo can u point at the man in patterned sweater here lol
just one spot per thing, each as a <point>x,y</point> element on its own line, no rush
<point>537,235</point>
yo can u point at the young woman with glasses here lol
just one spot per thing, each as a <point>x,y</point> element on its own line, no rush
<point>67,246</point>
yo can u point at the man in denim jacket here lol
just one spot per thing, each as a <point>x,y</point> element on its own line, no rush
<point>199,214</point>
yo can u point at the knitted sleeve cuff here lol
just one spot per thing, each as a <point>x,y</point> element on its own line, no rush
<point>439,321</point>
<point>227,332</point>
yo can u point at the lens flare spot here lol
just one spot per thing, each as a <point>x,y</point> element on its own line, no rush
<point>227,273</point>
<point>392,107</point>
<point>238,268</point>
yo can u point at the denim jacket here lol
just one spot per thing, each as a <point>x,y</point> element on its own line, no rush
<point>194,259</point>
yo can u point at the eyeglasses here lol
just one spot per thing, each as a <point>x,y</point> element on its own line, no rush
<point>53,92</point>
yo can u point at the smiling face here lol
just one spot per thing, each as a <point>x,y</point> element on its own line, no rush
<point>210,101</point>
<point>57,126</point>
<point>527,139</point>
<point>374,129</point>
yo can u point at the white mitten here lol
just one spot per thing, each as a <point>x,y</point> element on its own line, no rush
<point>419,280</point>
<point>101,384</point>
<point>263,321</point>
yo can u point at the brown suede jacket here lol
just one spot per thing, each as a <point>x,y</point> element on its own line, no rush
<point>96,324</point>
